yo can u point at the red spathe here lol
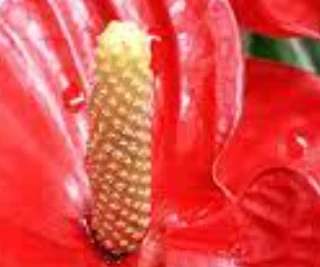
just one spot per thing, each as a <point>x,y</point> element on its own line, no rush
<point>47,46</point>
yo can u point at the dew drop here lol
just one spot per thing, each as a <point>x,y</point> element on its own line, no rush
<point>296,144</point>
<point>73,98</point>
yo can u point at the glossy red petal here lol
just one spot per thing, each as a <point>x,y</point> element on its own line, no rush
<point>279,214</point>
<point>45,47</point>
<point>269,172</point>
<point>210,88</point>
<point>280,17</point>
<point>43,190</point>
<point>273,223</point>
<point>21,247</point>
<point>279,125</point>
<point>198,102</point>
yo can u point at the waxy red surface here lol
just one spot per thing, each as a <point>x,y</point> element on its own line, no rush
<point>235,143</point>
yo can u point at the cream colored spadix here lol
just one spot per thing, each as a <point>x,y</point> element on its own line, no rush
<point>119,152</point>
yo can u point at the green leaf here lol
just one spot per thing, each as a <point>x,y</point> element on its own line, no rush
<point>292,51</point>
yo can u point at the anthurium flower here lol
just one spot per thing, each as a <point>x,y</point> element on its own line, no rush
<point>214,201</point>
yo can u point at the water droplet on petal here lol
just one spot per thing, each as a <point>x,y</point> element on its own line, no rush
<point>74,98</point>
<point>296,144</point>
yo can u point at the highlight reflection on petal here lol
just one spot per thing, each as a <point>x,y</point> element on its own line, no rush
<point>43,186</point>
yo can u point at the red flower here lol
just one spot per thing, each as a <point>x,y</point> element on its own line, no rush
<point>228,190</point>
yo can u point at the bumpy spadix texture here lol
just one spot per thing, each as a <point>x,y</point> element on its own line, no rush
<point>119,153</point>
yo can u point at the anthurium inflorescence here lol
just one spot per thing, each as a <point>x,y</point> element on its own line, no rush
<point>119,148</point>
<point>226,149</point>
